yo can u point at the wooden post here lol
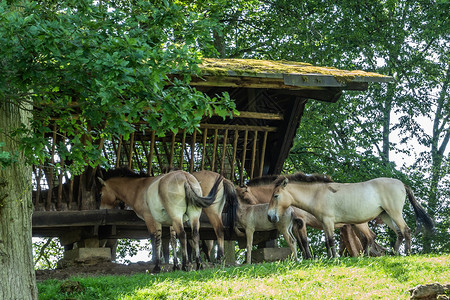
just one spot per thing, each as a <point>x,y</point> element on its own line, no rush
<point>38,179</point>
<point>130,154</point>
<point>50,172</point>
<point>119,148</point>
<point>224,150</point>
<point>194,137</point>
<point>60,184</point>
<point>255,139</point>
<point>244,152</point>
<point>236,137</point>
<point>172,147</point>
<point>150,158</point>
<point>205,136</point>
<point>263,153</point>
<point>213,163</point>
<point>183,145</point>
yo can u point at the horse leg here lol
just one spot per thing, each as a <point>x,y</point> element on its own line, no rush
<point>179,229</point>
<point>207,247</point>
<point>301,236</point>
<point>328,228</point>
<point>151,227</point>
<point>366,235</point>
<point>286,230</point>
<point>391,224</point>
<point>173,244</point>
<point>157,249</point>
<point>216,222</point>
<point>165,249</point>
<point>249,233</point>
<point>404,230</point>
<point>195,223</point>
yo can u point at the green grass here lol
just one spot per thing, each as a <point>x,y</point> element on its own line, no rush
<point>344,278</point>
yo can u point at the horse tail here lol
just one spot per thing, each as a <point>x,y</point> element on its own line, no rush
<point>196,198</point>
<point>229,192</point>
<point>421,216</point>
<point>297,222</point>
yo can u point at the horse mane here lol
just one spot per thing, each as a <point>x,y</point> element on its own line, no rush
<point>122,172</point>
<point>302,177</point>
<point>263,180</point>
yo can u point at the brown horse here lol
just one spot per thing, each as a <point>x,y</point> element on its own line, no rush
<point>226,195</point>
<point>259,190</point>
<point>169,199</point>
<point>253,217</point>
<point>351,203</point>
<point>123,185</point>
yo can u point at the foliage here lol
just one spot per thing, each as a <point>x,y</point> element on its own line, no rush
<point>95,70</point>
<point>355,278</point>
<point>130,248</point>
<point>46,253</point>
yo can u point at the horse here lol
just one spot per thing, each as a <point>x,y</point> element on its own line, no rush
<point>260,194</point>
<point>225,196</point>
<point>259,190</point>
<point>169,198</point>
<point>123,186</point>
<point>351,203</point>
<point>252,217</point>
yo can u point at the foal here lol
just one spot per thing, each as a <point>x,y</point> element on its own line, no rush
<point>253,217</point>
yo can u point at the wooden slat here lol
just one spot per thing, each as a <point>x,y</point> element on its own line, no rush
<point>152,150</point>
<point>50,172</point>
<point>205,137</point>
<point>172,147</point>
<point>239,127</point>
<point>263,153</point>
<point>224,150</point>
<point>255,139</point>
<point>130,154</point>
<point>119,148</point>
<point>183,145</point>
<point>213,162</point>
<point>194,137</point>
<point>244,153</point>
<point>236,137</point>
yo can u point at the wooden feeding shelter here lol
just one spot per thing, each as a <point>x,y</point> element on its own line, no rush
<point>270,97</point>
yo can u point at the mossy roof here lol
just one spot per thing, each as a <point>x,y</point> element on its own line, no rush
<point>278,69</point>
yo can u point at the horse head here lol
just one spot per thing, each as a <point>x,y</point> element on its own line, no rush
<point>108,198</point>
<point>279,202</point>
<point>244,194</point>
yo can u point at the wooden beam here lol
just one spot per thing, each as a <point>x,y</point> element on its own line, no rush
<point>289,129</point>
<point>258,115</point>
<point>239,127</point>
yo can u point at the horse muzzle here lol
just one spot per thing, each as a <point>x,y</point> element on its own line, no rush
<point>272,216</point>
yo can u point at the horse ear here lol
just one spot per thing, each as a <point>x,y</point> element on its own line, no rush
<point>285,182</point>
<point>102,182</point>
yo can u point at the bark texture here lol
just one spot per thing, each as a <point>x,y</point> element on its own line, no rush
<point>17,275</point>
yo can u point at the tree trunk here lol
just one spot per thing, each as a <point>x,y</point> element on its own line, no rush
<point>17,276</point>
<point>437,157</point>
<point>387,123</point>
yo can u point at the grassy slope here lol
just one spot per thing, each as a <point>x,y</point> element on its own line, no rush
<point>344,278</point>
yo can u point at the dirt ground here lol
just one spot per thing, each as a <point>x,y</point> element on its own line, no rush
<point>100,268</point>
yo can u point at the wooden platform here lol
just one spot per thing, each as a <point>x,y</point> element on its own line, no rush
<point>74,226</point>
